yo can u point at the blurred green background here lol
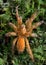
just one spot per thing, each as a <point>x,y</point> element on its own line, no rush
<point>38,45</point>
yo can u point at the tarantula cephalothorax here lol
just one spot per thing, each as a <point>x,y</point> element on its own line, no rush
<point>22,31</point>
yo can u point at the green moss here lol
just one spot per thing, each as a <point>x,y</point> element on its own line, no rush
<point>7,14</point>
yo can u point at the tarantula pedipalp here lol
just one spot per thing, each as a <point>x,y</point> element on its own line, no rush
<point>22,31</point>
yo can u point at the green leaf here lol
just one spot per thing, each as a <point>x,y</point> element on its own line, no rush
<point>39,49</point>
<point>1,61</point>
<point>1,1</point>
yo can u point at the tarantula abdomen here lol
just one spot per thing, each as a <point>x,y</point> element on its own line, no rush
<point>20,44</point>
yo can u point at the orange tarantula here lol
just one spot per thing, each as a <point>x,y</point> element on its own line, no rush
<point>22,31</point>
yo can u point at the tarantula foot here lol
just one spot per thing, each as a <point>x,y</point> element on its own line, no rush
<point>7,34</point>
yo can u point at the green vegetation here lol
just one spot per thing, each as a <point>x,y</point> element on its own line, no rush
<point>7,14</point>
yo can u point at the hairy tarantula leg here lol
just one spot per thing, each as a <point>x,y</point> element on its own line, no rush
<point>19,19</point>
<point>13,26</point>
<point>33,16</point>
<point>13,45</point>
<point>10,34</point>
<point>31,34</point>
<point>29,50</point>
<point>27,34</point>
<point>34,35</point>
<point>30,20</point>
<point>37,24</point>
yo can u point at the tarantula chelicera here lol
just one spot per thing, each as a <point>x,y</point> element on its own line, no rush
<point>22,31</point>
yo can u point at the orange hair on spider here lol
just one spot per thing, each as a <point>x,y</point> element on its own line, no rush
<point>20,44</point>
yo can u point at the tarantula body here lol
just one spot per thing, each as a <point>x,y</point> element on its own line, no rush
<point>22,31</point>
